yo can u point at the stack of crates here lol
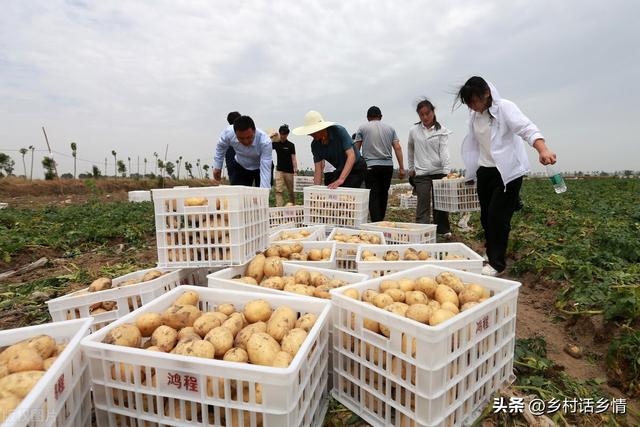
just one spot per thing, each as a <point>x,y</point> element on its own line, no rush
<point>340,207</point>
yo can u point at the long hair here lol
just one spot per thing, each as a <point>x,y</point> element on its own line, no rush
<point>429,105</point>
<point>474,87</point>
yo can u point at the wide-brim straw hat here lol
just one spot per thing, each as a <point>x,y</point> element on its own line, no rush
<point>312,123</point>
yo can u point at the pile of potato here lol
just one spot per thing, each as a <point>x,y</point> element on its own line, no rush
<point>295,252</point>
<point>258,334</point>
<point>105,283</point>
<point>293,235</point>
<point>452,175</point>
<point>21,367</point>
<point>269,273</point>
<point>425,299</point>
<point>409,254</point>
<point>360,238</point>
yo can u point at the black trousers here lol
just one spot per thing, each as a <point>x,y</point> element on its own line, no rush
<point>424,192</point>
<point>378,180</point>
<point>242,176</point>
<point>355,177</point>
<point>497,206</point>
<point>230,159</point>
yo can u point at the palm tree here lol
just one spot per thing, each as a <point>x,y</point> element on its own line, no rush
<point>115,163</point>
<point>129,159</point>
<point>145,167</point>
<point>188,167</point>
<point>160,164</point>
<point>170,168</point>
<point>50,168</point>
<point>74,149</point>
<point>178,162</point>
<point>206,171</point>
<point>24,151</point>
<point>122,168</point>
<point>32,148</point>
<point>156,169</point>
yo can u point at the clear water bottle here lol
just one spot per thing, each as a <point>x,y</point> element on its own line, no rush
<point>556,179</point>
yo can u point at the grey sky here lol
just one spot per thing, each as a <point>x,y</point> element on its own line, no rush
<point>136,76</point>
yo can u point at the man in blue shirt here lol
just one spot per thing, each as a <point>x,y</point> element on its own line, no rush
<point>253,157</point>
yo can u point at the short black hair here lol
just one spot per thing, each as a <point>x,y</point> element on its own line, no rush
<point>284,129</point>
<point>243,123</point>
<point>232,116</point>
<point>374,111</point>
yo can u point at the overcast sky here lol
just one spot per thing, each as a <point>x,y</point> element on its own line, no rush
<point>134,76</point>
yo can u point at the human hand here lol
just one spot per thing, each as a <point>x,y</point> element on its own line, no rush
<point>401,173</point>
<point>547,157</point>
<point>412,173</point>
<point>335,184</point>
<point>217,174</point>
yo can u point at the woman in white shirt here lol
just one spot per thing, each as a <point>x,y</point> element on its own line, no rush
<point>494,156</point>
<point>428,160</point>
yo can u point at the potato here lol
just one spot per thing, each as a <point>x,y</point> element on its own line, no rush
<point>148,322</point>
<point>20,383</point>
<point>435,305</point>
<point>262,349</point>
<point>326,253</point>
<point>242,337</point>
<point>419,312</point>
<point>221,338</point>
<point>479,289</point>
<point>8,404</point>
<point>205,323</point>
<point>447,305</point>
<point>188,298</point>
<point>293,340</point>
<point>306,321</point>
<point>319,280</point>
<point>282,360</point>
<point>371,325</point>
<point>369,295</point>
<point>468,295</point>
<point>255,268</point>
<point>302,256</point>
<point>302,277</point>
<point>396,294</point>
<point>248,280</point>
<point>188,334</point>
<point>366,254</point>
<point>415,297</point>
<point>109,305</point>
<point>284,251</point>
<point>100,284</point>
<point>301,289</point>
<point>180,316</point>
<point>411,256</point>
<point>398,308</point>
<point>151,275</point>
<point>153,348</point>
<point>468,305</point>
<point>281,321</point>
<point>444,293</point>
<point>127,373</point>
<point>27,360</point>
<point>352,293</point>
<point>382,300</point>
<point>273,267</point>
<point>197,348</point>
<point>273,283</point>
<point>336,283</point>
<point>4,371</point>
<point>236,354</point>
<point>10,351</point>
<point>296,248</point>
<point>406,285</point>
<point>315,255</point>
<point>226,309</point>
<point>272,251</point>
<point>44,345</point>
<point>257,311</point>
<point>165,338</point>
<point>234,323</point>
<point>391,256</point>
<point>450,280</point>
<point>372,258</point>
<point>423,255</point>
<point>426,285</point>
<point>388,284</point>
<point>440,316</point>
<point>126,335</point>
<point>195,201</point>
<point>322,292</point>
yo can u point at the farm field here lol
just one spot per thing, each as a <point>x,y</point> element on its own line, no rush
<point>577,255</point>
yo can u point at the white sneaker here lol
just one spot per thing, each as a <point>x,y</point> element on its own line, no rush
<point>487,270</point>
<point>485,258</point>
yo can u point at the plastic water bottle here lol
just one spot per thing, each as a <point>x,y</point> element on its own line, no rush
<point>556,179</point>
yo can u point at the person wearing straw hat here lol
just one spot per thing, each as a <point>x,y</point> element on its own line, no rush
<point>253,154</point>
<point>332,143</point>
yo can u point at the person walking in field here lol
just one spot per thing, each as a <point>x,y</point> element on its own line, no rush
<point>494,156</point>
<point>429,159</point>
<point>377,142</point>
<point>286,167</point>
<point>253,158</point>
<point>229,157</point>
<point>332,143</point>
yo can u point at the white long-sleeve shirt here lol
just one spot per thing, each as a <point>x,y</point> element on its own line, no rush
<point>508,126</point>
<point>429,150</point>
<point>258,155</point>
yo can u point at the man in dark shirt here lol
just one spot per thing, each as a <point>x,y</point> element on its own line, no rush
<point>286,167</point>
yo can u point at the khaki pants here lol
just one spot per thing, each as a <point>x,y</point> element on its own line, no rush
<point>282,179</point>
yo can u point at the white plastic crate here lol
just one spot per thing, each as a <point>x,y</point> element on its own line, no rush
<point>346,252</point>
<point>454,195</point>
<point>300,182</point>
<point>341,207</point>
<point>223,279</point>
<point>291,396</point>
<point>438,253</point>
<point>408,201</point>
<point>450,375</point>
<point>140,196</point>
<point>404,232</point>
<point>228,229</point>
<point>78,304</point>
<point>317,233</point>
<point>286,215</point>
<point>62,396</point>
